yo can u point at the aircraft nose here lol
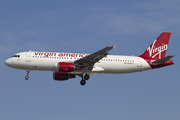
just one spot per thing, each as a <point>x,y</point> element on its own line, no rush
<point>7,62</point>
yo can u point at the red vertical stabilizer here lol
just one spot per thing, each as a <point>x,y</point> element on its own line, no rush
<point>157,49</point>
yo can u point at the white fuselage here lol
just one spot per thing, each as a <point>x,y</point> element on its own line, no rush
<point>46,61</point>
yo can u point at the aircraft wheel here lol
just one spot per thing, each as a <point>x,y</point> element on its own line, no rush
<point>86,77</point>
<point>27,77</point>
<point>83,82</point>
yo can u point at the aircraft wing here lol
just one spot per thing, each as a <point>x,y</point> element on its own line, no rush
<point>89,61</point>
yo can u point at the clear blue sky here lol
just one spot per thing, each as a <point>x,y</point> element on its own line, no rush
<point>81,26</point>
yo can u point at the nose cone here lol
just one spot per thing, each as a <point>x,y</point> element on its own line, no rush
<point>8,62</point>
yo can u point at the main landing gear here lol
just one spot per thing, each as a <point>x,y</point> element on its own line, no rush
<point>83,81</point>
<point>27,76</point>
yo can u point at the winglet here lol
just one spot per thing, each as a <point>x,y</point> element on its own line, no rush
<point>114,46</point>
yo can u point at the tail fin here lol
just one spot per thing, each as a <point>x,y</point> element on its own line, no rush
<point>157,49</point>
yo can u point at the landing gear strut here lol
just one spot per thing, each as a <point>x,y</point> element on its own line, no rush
<point>27,76</point>
<point>83,81</point>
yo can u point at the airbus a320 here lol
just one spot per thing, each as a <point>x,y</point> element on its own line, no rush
<point>69,65</point>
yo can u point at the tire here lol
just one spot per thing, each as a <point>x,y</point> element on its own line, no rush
<point>27,77</point>
<point>86,77</point>
<point>83,82</point>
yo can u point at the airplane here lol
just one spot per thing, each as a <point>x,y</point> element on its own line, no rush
<point>69,65</point>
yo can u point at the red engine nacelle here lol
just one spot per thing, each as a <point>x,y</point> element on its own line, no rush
<point>64,67</point>
<point>59,76</point>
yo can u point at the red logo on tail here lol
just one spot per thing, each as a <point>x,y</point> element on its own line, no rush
<point>157,49</point>
<point>154,51</point>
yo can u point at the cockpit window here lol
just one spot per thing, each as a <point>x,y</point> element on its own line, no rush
<point>16,56</point>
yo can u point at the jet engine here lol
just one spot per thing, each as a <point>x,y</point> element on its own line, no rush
<point>64,67</point>
<point>59,76</point>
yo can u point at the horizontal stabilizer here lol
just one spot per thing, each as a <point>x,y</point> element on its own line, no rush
<point>163,60</point>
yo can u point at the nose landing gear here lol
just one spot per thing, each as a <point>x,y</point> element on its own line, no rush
<point>27,76</point>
